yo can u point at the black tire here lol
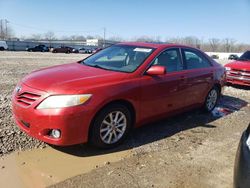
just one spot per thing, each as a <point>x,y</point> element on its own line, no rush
<point>96,137</point>
<point>211,102</point>
<point>1,48</point>
<point>54,51</point>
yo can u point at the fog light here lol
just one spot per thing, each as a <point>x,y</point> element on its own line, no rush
<point>55,133</point>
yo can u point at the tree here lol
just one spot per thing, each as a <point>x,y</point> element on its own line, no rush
<point>116,38</point>
<point>228,44</point>
<point>50,35</point>
<point>214,44</point>
<point>77,37</point>
<point>146,38</point>
<point>90,37</point>
<point>36,36</point>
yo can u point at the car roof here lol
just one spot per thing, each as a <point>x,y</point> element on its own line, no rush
<point>153,45</point>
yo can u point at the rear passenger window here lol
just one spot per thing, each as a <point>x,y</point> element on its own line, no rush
<point>195,60</point>
<point>170,59</point>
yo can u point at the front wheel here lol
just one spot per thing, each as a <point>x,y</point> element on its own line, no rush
<point>111,126</point>
<point>211,99</point>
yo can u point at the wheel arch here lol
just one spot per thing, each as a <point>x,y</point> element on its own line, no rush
<point>219,87</point>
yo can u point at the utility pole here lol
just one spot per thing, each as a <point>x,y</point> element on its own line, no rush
<point>6,28</point>
<point>1,28</point>
<point>104,37</point>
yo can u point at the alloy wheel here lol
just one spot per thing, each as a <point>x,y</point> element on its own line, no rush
<point>211,99</point>
<point>113,127</point>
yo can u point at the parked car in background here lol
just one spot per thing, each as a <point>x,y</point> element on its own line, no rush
<point>233,57</point>
<point>3,45</point>
<point>85,50</point>
<point>96,50</point>
<point>99,99</point>
<point>214,56</point>
<point>242,161</point>
<point>65,49</point>
<point>38,48</point>
<point>238,72</point>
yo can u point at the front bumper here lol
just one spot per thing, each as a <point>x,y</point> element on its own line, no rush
<point>242,164</point>
<point>73,122</point>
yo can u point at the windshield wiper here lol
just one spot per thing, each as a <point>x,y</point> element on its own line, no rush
<point>95,65</point>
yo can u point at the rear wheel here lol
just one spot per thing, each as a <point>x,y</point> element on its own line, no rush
<point>1,48</point>
<point>211,99</point>
<point>111,126</point>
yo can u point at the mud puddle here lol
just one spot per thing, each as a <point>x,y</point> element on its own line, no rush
<point>44,167</point>
<point>227,107</point>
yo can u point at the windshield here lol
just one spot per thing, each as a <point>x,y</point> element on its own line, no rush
<point>121,58</point>
<point>245,56</point>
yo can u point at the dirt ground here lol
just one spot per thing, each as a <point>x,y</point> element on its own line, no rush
<point>189,150</point>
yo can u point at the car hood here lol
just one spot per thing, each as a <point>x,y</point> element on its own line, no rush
<point>70,78</point>
<point>242,65</point>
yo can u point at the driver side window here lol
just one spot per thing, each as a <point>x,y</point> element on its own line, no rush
<point>170,59</point>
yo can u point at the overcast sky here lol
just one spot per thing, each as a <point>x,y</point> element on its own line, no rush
<point>130,18</point>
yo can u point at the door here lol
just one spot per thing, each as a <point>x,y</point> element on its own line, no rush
<point>163,93</point>
<point>199,75</point>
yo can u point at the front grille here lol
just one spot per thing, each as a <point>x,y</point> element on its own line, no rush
<point>27,98</point>
<point>239,74</point>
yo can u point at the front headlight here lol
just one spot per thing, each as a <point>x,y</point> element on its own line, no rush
<point>61,101</point>
<point>227,68</point>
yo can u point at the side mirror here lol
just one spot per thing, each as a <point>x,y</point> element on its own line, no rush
<point>156,70</point>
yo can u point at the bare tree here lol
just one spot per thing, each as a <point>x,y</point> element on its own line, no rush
<point>146,38</point>
<point>90,37</point>
<point>214,44</point>
<point>228,44</point>
<point>176,40</point>
<point>50,35</point>
<point>191,41</point>
<point>76,37</point>
<point>116,38</point>
<point>36,36</point>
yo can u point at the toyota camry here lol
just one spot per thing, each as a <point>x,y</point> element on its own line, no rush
<point>101,98</point>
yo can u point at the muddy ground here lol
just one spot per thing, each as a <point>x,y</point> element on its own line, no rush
<point>189,150</point>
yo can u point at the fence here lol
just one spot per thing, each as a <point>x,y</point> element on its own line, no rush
<point>23,45</point>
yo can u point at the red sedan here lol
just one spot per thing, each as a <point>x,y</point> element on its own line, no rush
<point>99,99</point>
<point>238,72</point>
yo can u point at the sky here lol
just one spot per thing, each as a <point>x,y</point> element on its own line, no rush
<point>130,18</point>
